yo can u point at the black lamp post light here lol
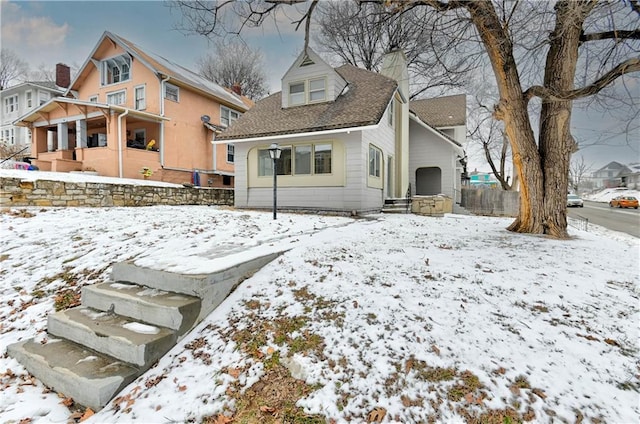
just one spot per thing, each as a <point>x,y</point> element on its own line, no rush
<point>274,152</point>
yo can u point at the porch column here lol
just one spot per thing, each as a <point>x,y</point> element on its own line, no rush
<point>81,133</point>
<point>50,140</point>
<point>63,136</point>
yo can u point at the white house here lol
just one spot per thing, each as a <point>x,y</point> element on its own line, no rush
<point>22,98</point>
<point>348,137</point>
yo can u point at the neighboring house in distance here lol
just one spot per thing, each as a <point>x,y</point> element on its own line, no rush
<point>478,179</point>
<point>348,140</point>
<point>630,177</point>
<point>128,109</point>
<point>609,175</point>
<point>21,99</point>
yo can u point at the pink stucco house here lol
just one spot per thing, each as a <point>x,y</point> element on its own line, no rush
<point>127,110</point>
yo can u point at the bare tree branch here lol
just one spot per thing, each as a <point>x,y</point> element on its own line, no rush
<point>615,35</point>
<point>628,66</point>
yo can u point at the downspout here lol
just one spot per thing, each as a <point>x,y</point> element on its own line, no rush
<point>165,79</point>
<point>215,152</point>
<point>122,115</point>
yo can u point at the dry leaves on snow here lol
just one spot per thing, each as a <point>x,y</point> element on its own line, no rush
<point>376,415</point>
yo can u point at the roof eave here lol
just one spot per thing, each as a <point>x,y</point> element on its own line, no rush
<point>457,146</point>
<point>298,135</point>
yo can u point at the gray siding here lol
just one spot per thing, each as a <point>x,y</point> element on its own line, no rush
<point>426,149</point>
<point>353,196</point>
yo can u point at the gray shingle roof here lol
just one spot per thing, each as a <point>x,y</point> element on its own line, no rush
<point>181,73</point>
<point>363,103</point>
<point>441,112</point>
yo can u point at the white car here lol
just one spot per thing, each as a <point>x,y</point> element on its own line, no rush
<point>573,200</point>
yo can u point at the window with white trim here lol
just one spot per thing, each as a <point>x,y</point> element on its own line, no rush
<point>390,117</point>
<point>11,104</point>
<point>116,69</point>
<point>304,159</point>
<point>296,94</point>
<point>171,92</point>
<point>9,136</point>
<point>93,99</point>
<point>43,97</point>
<point>308,91</point>
<point>117,97</point>
<point>140,97</point>
<point>317,90</point>
<point>227,116</point>
<point>375,161</point>
<point>230,153</point>
<point>28,97</point>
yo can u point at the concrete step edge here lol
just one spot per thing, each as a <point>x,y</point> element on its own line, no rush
<point>179,313</point>
<point>124,339</point>
<point>90,378</point>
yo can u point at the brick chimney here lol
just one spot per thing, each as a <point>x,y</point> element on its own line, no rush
<point>63,75</point>
<point>236,88</point>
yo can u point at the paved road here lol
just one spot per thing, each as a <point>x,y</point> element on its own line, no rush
<point>623,220</point>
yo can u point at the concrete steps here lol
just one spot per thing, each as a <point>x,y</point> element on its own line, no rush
<point>397,205</point>
<point>89,377</point>
<point>123,327</point>
<point>158,307</point>
<point>128,340</point>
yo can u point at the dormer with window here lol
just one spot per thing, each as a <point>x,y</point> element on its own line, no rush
<point>310,80</point>
<point>115,69</point>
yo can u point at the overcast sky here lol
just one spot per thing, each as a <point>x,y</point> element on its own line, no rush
<point>48,32</point>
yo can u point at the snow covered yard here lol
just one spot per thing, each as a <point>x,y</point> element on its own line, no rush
<point>398,318</point>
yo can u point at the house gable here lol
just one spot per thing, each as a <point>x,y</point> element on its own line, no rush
<point>310,80</point>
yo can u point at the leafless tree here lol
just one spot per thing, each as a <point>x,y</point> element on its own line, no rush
<point>235,63</point>
<point>12,68</point>
<point>42,73</point>
<point>579,172</point>
<point>556,35</point>
<point>486,132</point>
<point>361,34</point>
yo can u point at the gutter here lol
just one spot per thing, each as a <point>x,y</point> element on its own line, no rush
<point>122,115</point>
<point>296,135</point>
<point>162,81</point>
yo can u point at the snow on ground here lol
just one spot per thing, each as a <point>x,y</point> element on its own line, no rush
<point>607,194</point>
<point>78,177</point>
<point>437,319</point>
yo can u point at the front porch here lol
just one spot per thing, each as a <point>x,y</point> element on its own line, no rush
<point>110,140</point>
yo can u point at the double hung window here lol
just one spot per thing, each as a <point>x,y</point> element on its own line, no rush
<point>298,160</point>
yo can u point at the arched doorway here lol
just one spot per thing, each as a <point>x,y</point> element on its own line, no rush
<point>428,181</point>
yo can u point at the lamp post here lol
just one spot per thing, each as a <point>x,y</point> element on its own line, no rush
<point>274,152</point>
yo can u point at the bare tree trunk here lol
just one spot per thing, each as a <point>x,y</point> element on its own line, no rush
<point>512,109</point>
<point>556,142</point>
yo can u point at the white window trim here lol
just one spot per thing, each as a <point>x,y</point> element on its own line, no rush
<point>233,153</point>
<point>380,161</point>
<point>28,99</point>
<point>113,93</point>
<point>167,85</point>
<point>144,96</point>
<point>13,105</point>
<point>293,160</point>
<point>324,98</point>
<point>104,68</point>
<point>391,118</point>
<point>307,90</point>
<point>228,111</point>
<point>93,99</point>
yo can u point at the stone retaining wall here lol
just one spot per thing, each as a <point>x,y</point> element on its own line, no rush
<point>431,205</point>
<point>16,192</point>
